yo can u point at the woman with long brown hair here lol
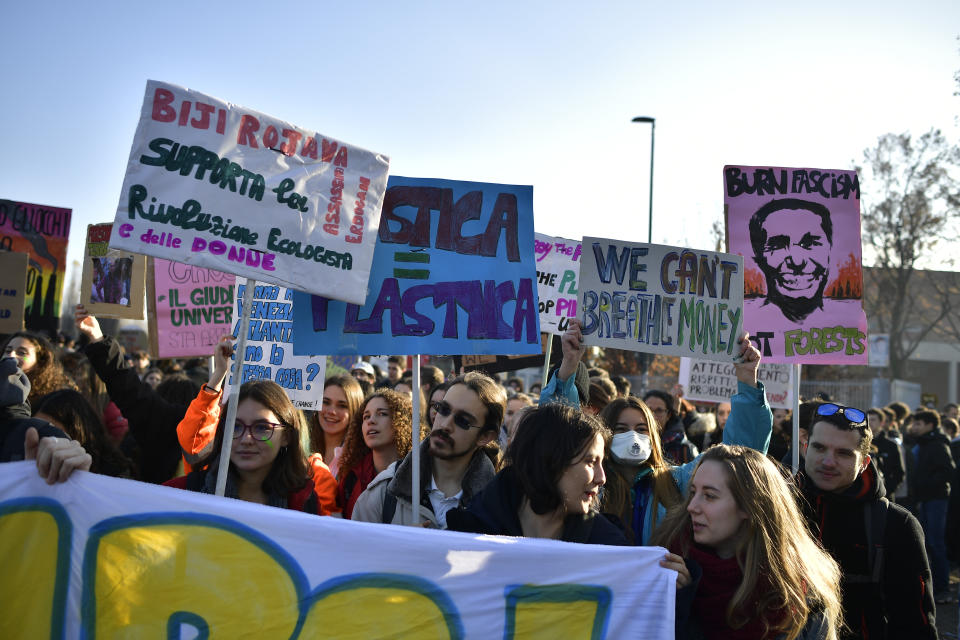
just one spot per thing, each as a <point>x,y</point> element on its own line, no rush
<point>763,575</point>
<point>342,397</point>
<point>267,463</point>
<point>381,433</point>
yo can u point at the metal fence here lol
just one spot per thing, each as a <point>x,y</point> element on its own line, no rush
<point>853,393</point>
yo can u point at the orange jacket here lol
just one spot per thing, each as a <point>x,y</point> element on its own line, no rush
<point>198,429</point>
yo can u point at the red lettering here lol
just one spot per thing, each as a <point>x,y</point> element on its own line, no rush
<point>329,148</point>
<point>248,126</point>
<point>330,228</point>
<point>293,137</point>
<point>162,111</point>
<point>270,137</point>
<point>341,159</point>
<point>184,113</point>
<point>309,148</point>
<point>221,120</point>
<point>203,122</point>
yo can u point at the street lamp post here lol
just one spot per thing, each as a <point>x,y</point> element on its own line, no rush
<point>653,127</point>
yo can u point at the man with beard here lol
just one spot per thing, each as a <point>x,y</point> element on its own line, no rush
<point>792,240</point>
<point>455,461</point>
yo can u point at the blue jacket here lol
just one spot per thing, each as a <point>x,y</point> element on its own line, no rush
<point>750,424</point>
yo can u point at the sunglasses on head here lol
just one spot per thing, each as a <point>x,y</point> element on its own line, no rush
<point>459,419</point>
<point>855,417</point>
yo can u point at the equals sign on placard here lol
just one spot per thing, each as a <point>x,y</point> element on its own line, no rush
<point>411,257</point>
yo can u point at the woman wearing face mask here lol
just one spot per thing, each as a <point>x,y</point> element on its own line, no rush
<point>759,574</point>
<point>641,484</point>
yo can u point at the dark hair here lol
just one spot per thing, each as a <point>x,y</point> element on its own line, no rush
<point>290,470</point>
<point>928,416</point>
<point>900,410</point>
<point>518,381</point>
<point>950,405</point>
<point>430,377</point>
<point>81,423</point>
<point>178,389</point>
<point>597,372</point>
<point>398,360</point>
<point>808,411</point>
<point>623,385</point>
<point>668,400</point>
<point>841,423</point>
<point>353,392</point>
<point>950,426</point>
<point>602,391</point>
<point>492,395</point>
<point>547,440</point>
<point>758,237</point>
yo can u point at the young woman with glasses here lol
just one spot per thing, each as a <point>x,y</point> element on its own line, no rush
<point>267,460</point>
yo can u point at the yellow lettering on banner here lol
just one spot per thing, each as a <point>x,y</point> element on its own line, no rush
<point>381,606</point>
<point>225,583</point>
<point>557,611</point>
<point>34,542</point>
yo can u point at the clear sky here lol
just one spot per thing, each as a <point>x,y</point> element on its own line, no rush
<point>537,93</point>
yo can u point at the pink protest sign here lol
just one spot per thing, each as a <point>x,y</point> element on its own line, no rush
<point>192,307</point>
<point>798,231</point>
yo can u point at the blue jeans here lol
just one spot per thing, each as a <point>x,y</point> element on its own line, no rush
<point>933,518</point>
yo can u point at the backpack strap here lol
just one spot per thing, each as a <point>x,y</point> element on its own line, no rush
<point>389,507</point>
<point>875,523</point>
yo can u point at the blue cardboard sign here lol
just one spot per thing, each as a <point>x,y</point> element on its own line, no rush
<point>453,273</point>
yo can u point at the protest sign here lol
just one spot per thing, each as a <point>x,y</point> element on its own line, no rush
<point>41,232</point>
<point>190,308</point>
<point>269,355</point>
<point>99,557</point>
<point>660,299</point>
<point>453,273</point>
<point>491,364</point>
<point>133,339</point>
<point>706,381</point>
<point>213,184</point>
<point>558,264</point>
<point>798,231</point>
<point>13,282</point>
<point>113,281</point>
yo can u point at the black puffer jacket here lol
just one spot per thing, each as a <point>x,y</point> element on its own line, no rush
<point>900,604</point>
<point>933,467</point>
<point>15,413</point>
<point>494,511</point>
<point>153,421</point>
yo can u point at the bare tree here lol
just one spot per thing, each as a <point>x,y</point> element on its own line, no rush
<point>911,195</point>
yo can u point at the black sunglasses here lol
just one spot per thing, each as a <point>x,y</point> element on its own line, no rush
<point>855,417</point>
<point>459,419</point>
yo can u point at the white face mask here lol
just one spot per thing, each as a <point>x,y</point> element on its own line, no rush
<point>630,447</point>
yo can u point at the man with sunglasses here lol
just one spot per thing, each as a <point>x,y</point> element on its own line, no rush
<point>454,464</point>
<point>879,545</point>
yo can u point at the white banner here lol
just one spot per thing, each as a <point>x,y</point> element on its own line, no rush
<point>660,299</point>
<point>709,381</point>
<point>217,185</point>
<point>558,265</point>
<point>98,557</point>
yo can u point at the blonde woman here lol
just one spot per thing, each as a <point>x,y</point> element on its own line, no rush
<point>761,574</point>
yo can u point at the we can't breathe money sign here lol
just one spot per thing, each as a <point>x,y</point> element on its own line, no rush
<point>660,299</point>
<point>220,186</point>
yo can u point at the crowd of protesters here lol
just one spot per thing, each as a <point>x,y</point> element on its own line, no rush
<point>857,544</point>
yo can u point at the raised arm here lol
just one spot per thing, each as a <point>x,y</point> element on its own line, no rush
<point>197,430</point>
<point>562,385</point>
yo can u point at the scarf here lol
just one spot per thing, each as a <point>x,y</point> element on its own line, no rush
<point>721,579</point>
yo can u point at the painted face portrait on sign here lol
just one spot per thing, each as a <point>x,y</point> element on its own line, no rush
<point>792,240</point>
